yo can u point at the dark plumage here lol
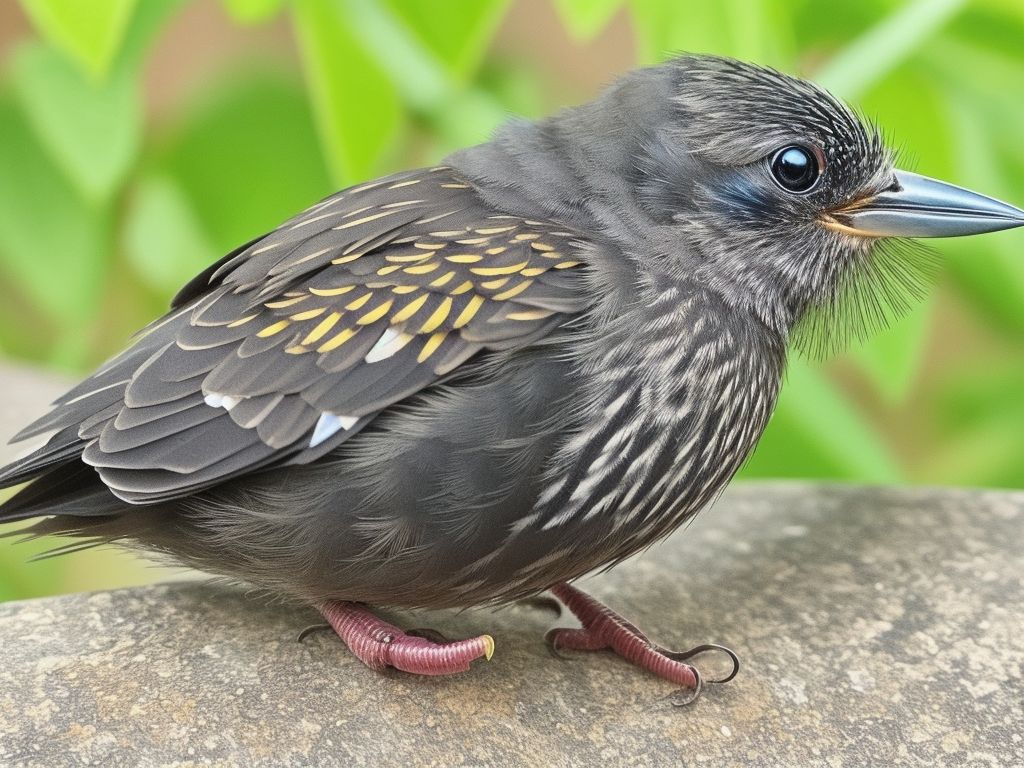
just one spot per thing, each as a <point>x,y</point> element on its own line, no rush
<point>471,383</point>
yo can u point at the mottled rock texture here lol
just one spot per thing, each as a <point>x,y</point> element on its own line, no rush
<point>876,627</point>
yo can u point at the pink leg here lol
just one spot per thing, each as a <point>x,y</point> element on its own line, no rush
<point>379,644</point>
<point>603,628</point>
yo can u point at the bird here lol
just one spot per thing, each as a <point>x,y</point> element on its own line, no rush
<point>474,383</point>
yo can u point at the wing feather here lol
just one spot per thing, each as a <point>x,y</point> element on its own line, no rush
<point>128,418</point>
<point>289,345</point>
<point>114,439</point>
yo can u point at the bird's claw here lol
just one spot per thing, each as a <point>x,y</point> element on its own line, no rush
<point>551,641</point>
<point>697,650</point>
<point>684,697</point>
<point>311,629</point>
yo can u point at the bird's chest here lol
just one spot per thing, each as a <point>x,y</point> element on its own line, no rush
<point>674,419</point>
<point>691,440</point>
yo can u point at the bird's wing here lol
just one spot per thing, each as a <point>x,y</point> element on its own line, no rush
<point>293,343</point>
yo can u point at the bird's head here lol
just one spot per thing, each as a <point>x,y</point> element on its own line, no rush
<point>765,187</point>
<point>793,205</point>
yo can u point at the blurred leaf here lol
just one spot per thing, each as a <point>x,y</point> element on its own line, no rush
<point>991,271</point>
<point>469,117</point>
<point>761,31</point>
<point>969,397</point>
<point>981,440</point>
<point>92,130</point>
<point>164,239</point>
<point>457,32</point>
<point>666,27</point>
<point>145,25</point>
<point>414,70</point>
<point>103,568</point>
<point>816,432</point>
<point>52,244</point>
<point>892,358</point>
<point>1004,11</point>
<point>357,107</point>
<point>755,31</point>
<point>460,115</point>
<point>994,25</point>
<point>586,19</point>
<point>904,106</point>
<point>516,90</point>
<point>865,61</point>
<point>90,32</point>
<point>988,456</point>
<point>978,79</point>
<point>238,183</point>
<point>19,579</point>
<point>818,34</point>
<point>253,11</point>
<point>992,278</point>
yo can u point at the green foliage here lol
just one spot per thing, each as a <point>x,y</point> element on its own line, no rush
<point>111,198</point>
<point>585,19</point>
<point>52,244</point>
<point>357,106</point>
<point>246,159</point>
<point>253,11</point>
<point>91,129</point>
<point>90,33</point>
<point>872,56</point>
<point>456,33</point>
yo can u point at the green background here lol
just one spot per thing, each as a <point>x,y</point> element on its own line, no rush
<point>141,139</point>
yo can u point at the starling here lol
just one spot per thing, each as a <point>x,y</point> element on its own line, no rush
<point>468,384</point>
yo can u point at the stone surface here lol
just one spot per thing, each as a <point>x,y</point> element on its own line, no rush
<point>877,627</point>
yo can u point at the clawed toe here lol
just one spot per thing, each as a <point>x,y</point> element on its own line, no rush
<point>698,650</point>
<point>379,644</point>
<point>603,628</point>
<point>684,697</point>
<point>583,639</point>
<point>312,629</point>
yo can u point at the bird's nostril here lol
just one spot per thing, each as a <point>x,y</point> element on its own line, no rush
<point>895,186</point>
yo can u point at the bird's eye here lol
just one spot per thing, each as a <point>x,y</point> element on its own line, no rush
<point>796,169</point>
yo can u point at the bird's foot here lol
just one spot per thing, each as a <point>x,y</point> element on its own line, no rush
<point>603,628</point>
<point>379,644</point>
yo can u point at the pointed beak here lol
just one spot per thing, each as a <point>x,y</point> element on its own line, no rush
<point>917,206</point>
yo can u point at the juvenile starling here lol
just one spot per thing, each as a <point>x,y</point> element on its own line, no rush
<point>469,384</point>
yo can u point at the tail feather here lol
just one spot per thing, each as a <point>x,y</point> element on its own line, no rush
<point>64,447</point>
<point>73,489</point>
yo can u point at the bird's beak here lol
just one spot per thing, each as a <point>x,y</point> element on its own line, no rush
<point>917,206</point>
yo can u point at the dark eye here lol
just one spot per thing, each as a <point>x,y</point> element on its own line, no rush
<point>795,169</point>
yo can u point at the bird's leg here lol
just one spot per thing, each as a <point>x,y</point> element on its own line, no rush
<point>603,628</point>
<point>379,644</point>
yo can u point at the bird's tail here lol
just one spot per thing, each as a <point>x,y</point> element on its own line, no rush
<point>65,499</point>
<point>71,488</point>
